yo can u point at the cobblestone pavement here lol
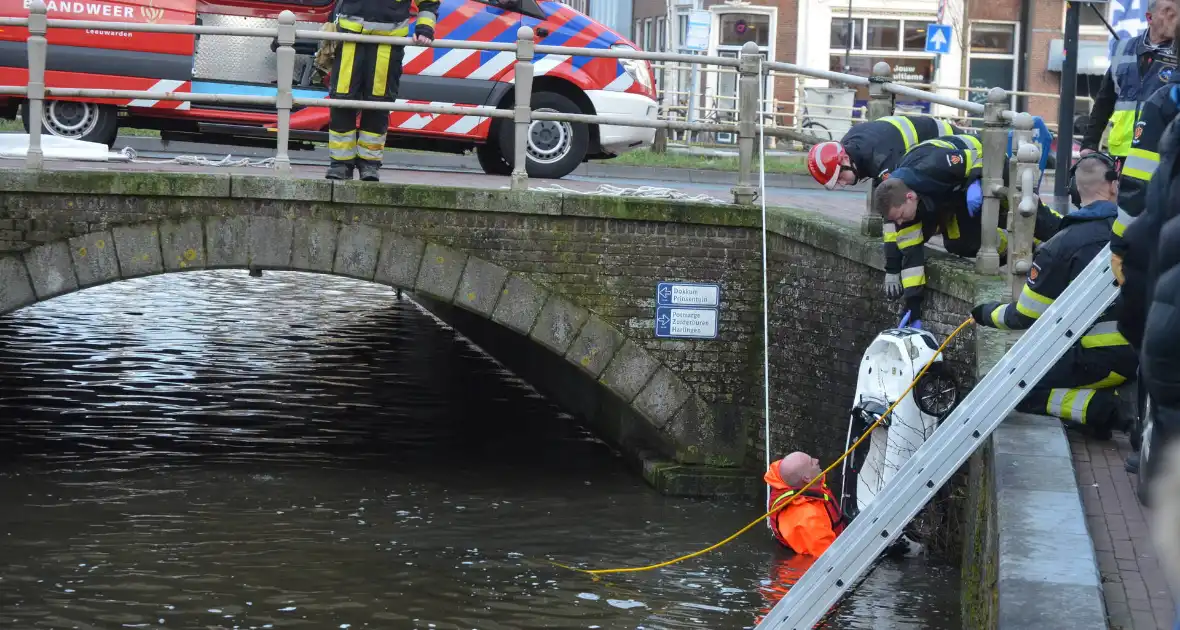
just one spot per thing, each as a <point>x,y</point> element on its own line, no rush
<point>1137,597</point>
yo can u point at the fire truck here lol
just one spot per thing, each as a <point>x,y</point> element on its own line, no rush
<point>218,64</point>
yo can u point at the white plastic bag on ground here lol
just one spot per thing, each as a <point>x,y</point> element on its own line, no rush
<point>16,146</point>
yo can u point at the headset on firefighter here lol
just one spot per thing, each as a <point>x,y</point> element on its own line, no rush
<point>1112,174</point>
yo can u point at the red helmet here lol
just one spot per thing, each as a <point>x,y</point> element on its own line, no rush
<point>823,162</point>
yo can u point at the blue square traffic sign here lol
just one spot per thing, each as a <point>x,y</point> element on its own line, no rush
<point>938,38</point>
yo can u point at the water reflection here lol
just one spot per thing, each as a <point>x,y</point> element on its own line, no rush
<point>217,451</point>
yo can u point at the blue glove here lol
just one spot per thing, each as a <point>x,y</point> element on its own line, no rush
<point>974,198</point>
<point>916,324</point>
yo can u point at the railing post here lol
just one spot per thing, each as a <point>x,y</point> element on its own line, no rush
<point>880,106</point>
<point>37,51</point>
<point>1024,198</point>
<point>286,77</point>
<point>749,73</point>
<point>995,149</point>
<point>522,114</point>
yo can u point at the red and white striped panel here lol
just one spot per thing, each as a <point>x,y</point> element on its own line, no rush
<point>162,87</point>
<point>450,124</point>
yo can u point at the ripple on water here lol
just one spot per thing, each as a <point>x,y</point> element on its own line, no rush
<point>214,450</point>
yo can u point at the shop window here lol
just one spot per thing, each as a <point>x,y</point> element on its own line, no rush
<point>989,73</point>
<point>739,28</point>
<point>915,36</point>
<point>905,69</point>
<point>883,35</point>
<point>839,37</point>
<point>993,39</point>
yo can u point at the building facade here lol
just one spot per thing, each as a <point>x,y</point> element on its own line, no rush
<point>1012,44</point>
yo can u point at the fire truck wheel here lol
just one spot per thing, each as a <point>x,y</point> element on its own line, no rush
<point>554,149</point>
<point>78,121</point>
<point>491,160</point>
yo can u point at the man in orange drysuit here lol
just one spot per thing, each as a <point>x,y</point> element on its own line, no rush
<point>809,523</point>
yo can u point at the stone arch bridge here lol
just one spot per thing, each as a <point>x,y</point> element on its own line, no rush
<point>560,289</point>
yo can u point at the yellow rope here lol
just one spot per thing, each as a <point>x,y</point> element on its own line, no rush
<point>745,529</point>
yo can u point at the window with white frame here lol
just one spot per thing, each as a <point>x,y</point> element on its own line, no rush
<point>992,58</point>
<point>866,40</point>
<point>661,34</point>
<point>1089,22</point>
<point>646,44</point>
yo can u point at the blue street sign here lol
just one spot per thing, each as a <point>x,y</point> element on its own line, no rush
<point>690,323</point>
<point>938,38</point>
<point>688,294</point>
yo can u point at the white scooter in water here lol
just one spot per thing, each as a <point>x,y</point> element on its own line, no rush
<point>891,362</point>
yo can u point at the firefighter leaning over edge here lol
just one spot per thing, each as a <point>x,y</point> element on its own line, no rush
<point>369,72</point>
<point>1080,386</point>
<point>936,189</point>
<point>872,149</point>
<point>1138,67</point>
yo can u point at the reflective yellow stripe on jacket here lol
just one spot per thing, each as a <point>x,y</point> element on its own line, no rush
<point>1103,335</point>
<point>905,126</point>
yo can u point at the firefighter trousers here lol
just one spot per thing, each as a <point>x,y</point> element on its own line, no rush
<point>1080,387</point>
<point>362,72</point>
<point>961,233</point>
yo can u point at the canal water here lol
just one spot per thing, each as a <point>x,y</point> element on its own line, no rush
<point>211,450</point>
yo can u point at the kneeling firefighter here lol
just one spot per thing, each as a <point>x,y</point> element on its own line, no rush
<point>1080,386</point>
<point>369,72</point>
<point>935,189</point>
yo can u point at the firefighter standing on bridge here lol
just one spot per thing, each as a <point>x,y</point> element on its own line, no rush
<point>936,189</point>
<point>1080,386</point>
<point>369,72</point>
<point>1140,66</point>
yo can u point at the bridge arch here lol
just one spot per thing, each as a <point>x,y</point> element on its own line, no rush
<point>674,414</point>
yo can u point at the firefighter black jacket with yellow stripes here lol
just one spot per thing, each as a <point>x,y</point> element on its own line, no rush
<point>876,147</point>
<point>386,16</point>
<point>1082,235</point>
<point>1143,159</point>
<point>939,172</point>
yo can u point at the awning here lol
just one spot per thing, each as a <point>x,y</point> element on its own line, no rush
<point>1093,56</point>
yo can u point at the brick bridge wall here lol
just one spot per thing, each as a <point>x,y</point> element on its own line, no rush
<point>696,402</point>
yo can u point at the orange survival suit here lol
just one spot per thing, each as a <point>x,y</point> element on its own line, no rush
<point>811,522</point>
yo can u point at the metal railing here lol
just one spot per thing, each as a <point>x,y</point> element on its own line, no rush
<point>813,122</point>
<point>750,67</point>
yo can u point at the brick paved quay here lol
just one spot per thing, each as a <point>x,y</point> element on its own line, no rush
<point>1137,598</point>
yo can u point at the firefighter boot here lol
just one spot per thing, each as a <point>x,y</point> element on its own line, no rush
<point>340,170</point>
<point>370,170</point>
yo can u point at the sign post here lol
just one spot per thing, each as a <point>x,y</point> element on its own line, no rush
<point>696,40</point>
<point>687,310</point>
<point>1069,86</point>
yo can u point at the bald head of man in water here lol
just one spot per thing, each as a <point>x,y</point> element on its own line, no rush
<point>798,468</point>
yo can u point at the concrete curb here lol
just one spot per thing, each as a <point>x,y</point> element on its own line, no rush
<point>1047,574</point>
<point>1048,571</point>
<point>598,169</point>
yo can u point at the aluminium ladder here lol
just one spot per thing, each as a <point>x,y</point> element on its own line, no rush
<point>959,435</point>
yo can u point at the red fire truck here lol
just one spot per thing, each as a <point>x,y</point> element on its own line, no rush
<point>209,64</point>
